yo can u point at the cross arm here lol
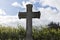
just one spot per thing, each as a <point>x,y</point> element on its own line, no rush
<point>22,15</point>
<point>36,14</point>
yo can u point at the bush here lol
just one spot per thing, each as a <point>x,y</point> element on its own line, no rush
<point>9,33</point>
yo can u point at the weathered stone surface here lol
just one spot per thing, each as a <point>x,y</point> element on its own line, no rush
<point>34,14</point>
<point>29,15</point>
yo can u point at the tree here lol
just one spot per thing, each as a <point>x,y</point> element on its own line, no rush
<point>54,25</point>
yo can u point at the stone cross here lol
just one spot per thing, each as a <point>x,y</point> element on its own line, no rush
<point>29,15</point>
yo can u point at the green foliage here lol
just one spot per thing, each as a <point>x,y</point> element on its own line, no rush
<point>9,33</point>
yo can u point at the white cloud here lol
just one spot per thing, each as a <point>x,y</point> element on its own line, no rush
<point>34,1</point>
<point>16,4</point>
<point>53,3</point>
<point>47,14</point>
<point>2,12</point>
<point>6,19</point>
<point>51,15</point>
<point>25,3</point>
<point>12,21</point>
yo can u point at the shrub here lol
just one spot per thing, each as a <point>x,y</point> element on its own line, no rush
<point>9,33</point>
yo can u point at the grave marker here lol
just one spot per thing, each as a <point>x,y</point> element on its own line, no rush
<point>29,15</point>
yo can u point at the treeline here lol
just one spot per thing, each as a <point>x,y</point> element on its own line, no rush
<point>48,33</point>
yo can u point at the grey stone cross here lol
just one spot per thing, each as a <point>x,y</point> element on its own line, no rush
<point>29,15</point>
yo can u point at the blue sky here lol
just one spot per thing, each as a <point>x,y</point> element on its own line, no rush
<point>50,11</point>
<point>6,5</point>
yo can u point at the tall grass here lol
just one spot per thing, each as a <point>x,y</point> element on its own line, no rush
<point>10,33</point>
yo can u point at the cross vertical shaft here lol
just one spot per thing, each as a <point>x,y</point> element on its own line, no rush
<point>29,23</point>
